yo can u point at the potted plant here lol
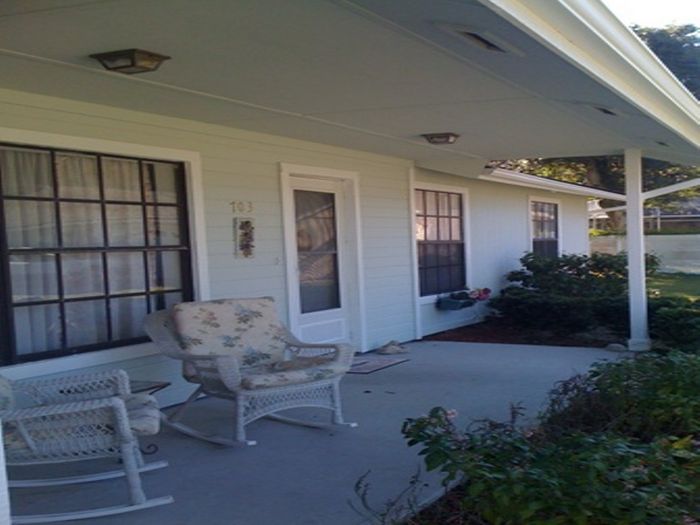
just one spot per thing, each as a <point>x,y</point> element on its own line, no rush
<point>462,299</point>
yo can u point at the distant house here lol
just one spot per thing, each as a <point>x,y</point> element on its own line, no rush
<point>329,154</point>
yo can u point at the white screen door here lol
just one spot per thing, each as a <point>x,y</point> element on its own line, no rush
<point>321,313</point>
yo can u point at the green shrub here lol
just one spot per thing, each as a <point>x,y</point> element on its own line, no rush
<point>569,293</point>
<point>641,398</point>
<point>677,327</point>
<point>512,478</point>
<point>545,311</point>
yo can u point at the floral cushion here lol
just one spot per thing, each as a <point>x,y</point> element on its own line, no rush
<point>7,398</point>
<point>269,377</point>
<point>245,328</point>
<point>144,414</point>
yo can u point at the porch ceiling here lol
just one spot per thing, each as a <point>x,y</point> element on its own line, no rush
<point>366,74</point>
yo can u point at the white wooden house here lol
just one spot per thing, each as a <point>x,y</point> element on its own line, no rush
<point>280,152</point>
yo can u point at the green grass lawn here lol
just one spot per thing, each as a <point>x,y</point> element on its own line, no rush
<point>676,285</point>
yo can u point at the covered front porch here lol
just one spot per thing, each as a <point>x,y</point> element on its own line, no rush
<point>306,476</point>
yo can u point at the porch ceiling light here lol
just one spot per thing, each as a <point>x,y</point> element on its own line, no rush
<point>441,138</point>
<point>130,61</point>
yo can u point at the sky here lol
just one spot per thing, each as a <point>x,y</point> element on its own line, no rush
<point>656,13</point>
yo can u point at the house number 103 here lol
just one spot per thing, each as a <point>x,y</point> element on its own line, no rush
<point>241,206</point>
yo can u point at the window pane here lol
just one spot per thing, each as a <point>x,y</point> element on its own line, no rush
<point>26,173</point>
<point>125,225</point>
<point>77,176</point>
<point>82,274</point>
<point>37,329</point>
<point>431,230</point>
<point>164,270</point>
<point>444,279</point>
<point>443,203</point>
<point>546,248</point>
<point>420,204</point>
<point>127,315</point>
<point>33,277</point>
<point>318,282</point>
<point>315,221</point>
<point>163,227</point>
<point>160,182</point>
<point>81,224</point>
<point>431,255</point>
<point>163,301</point>
<point>456,254</point>
<point>30,224</point>
<point>455,205</point>
<point>444,229</point>
<point>431,281</point>
<point>121,179</point>
<point>420,228</point>
<point>86,322</point>
<point>456,229</point>
<point>456,278</point>
<point>126,272</point>
<point>430,203</point>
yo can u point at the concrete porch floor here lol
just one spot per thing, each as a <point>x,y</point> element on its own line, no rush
<point>299,475</point>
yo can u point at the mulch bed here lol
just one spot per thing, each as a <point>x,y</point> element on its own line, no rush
<point>501,331</point>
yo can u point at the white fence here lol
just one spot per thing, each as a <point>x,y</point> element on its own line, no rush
<point>678,253</point>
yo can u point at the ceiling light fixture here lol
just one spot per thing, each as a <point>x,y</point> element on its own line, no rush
<point>130,61</point>
<point>441,138</point>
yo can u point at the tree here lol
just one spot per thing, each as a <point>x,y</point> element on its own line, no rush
<point>678,47</point>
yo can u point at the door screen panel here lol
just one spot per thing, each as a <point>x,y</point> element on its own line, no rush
<point>317,248</point>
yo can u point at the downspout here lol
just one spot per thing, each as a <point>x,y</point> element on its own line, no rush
<point>636,267</point>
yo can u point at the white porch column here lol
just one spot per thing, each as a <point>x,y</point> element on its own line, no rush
<point>639,330</point>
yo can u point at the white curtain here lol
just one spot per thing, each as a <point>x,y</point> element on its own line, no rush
<point>31,224</point>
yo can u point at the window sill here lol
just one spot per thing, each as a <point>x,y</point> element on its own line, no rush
<point>58,365</point>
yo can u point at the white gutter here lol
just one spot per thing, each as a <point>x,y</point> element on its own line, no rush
<point>516,178</point>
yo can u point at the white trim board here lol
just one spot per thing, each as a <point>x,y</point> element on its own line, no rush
<point>525,180</point>
<point>350,181</point>
<point>197,226</point>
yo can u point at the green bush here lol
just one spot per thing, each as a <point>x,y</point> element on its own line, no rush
<point>618,445</point>
<point>641,398</point>
<point>511,478</point>
<point>569,293</point>
<point>677,327</point>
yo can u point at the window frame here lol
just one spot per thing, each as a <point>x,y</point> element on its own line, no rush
<point>530,221</point>
<point>466,237</point>
<point>185,247</point>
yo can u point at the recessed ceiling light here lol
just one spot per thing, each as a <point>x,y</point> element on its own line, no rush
<point>446,137</point>
<point>605,111</point>
<point>481,41</point>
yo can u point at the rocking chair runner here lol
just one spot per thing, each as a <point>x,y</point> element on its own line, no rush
<point>77,418</point>
<point>237,349</point>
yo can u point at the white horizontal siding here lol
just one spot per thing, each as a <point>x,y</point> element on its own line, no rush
<point>498,236</point>
<point>243,166</point>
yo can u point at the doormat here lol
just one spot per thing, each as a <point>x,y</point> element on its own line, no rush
<point>368,364</point>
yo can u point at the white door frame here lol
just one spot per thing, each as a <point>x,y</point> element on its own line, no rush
<point>349,210</point>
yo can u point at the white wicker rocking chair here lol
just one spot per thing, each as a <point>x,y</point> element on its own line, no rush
<point>237,349</point>
<point>78,418</point>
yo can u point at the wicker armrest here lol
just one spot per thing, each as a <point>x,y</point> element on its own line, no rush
<point>213,367</point>
<point>64,423</point>
<point>342,353</point>
<point>79,387</point>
